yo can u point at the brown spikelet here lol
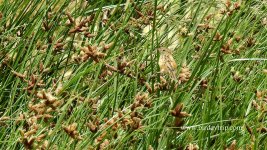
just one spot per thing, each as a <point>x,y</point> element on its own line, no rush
<point>71,130</point>
<point>70,18</point>
<point>104,145</point>
<point>177,110</point>
<point>93,128</point>
<point>228,4</point>
<point>40,137</point>
<point>217,37</point>
<point>250,42</point>
<point>178,122</point>
<point>28,143</point>
<point>19,75</point>
<point>249,130</point>
<point>226,47</point>
<point>108,46</point>
<point>232,146</point>
<point>192,147</point>
<point>179,115</point>
<point>184,74</point>
<point>236,6</point>
<point>262,130</point>
<point>89,35</point>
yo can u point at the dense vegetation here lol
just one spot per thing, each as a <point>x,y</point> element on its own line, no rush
<point>85,74</point>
